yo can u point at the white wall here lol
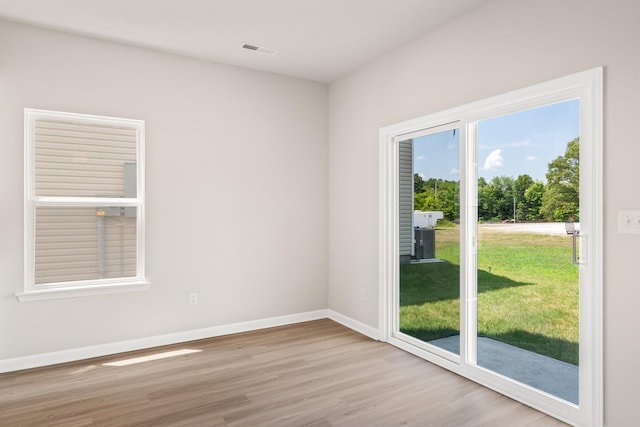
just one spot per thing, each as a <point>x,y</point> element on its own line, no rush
<point>236,189</point>
<point>500,46</point>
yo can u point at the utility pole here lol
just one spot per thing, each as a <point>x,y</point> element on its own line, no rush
<point>515,220</point>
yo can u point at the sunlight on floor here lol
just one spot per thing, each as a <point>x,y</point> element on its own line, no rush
<point>151,357</point>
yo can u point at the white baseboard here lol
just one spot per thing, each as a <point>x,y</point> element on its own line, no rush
<point>45,359</point>
<point>53,358</point>
<point>356,325</point>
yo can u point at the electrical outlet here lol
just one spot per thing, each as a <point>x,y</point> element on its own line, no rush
<point>363,294</point>
<point>193,298</point>
<point>629,222</point>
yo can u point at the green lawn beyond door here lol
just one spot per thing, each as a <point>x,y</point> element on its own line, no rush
<point>527,292</point>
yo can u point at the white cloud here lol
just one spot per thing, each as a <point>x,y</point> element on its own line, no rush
<point>421,157</point>
<point>422,175</point>
<point>454,171</point>
<point>531,158</point>
<point>493,160</point>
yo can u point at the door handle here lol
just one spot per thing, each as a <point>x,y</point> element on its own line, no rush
<point>575,235</point>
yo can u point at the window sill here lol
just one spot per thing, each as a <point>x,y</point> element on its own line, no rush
<point>81,291</point>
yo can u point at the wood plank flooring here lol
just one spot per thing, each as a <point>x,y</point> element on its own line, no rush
<point>310,374</point>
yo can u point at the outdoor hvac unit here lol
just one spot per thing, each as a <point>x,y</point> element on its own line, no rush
<point>425,234</point>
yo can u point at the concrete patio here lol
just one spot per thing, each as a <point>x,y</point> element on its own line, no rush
<point>542,372</point>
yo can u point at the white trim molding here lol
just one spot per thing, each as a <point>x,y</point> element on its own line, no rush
<point>354,324</point>
<point>71,355</point>
<point>88,148</point>
<point>82,291</point>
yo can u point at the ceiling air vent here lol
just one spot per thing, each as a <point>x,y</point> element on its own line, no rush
<point>261,49</point>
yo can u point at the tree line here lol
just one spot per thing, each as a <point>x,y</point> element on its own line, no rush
<point>505,198</point>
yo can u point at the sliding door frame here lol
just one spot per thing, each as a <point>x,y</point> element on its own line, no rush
<point>586,86</point>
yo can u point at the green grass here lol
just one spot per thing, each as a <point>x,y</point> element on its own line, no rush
<point>527,292</point>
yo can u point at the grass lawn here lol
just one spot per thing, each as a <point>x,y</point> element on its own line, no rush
<point>527,292</point>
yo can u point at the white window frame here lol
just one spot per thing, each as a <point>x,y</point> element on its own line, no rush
<point>588,87</point>
<point>33,291</point>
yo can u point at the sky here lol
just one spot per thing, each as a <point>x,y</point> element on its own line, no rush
<point>515,144</point>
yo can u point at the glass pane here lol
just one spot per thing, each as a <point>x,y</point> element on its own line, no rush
<point>84,243</point>
<point>78,159</point>
<point>429,210</point>
<point>528,285</point>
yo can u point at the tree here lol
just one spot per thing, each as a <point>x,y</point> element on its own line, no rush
<point>501,191</point>
<point>448,199</point>
<point>561,199</point>
<point>497,199</point>
<point>533,198</point>
<point>485,202</point>
<point>439,195</point>
<point>418,183</point>
<point>424,201</point>
<point>520,186</point>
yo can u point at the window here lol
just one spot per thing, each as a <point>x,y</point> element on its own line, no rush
<point>84,205</point>
<point>471,304</point>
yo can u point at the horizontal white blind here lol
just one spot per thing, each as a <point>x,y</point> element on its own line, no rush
<point>68,245</point>
<point>405,190</point>
<point>82,159</point>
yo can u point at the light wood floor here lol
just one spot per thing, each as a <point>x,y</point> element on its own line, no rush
<point>310,374</point>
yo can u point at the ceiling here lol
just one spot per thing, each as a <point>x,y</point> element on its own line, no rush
<point>315,39</point>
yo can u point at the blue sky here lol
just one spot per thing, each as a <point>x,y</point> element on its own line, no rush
<point>511,145</point>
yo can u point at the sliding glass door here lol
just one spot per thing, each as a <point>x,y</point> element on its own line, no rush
<point>429,206</point>
<point>527,281</point>
<point>491,227</point>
